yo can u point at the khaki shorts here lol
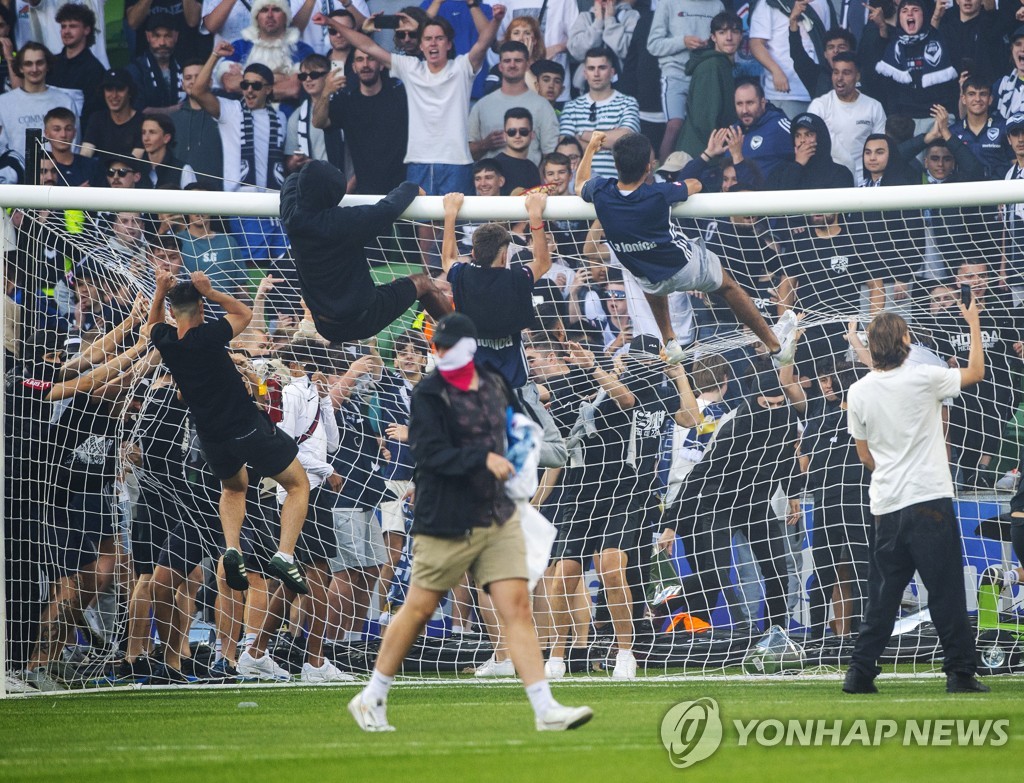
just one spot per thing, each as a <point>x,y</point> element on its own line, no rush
<point>490,554</point>
<point>392,517</point>
<point>703,272</point>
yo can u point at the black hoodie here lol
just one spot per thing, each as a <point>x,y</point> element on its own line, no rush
<point>328,242</point>
<point>820,171</point>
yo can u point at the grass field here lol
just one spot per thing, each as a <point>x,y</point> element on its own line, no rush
<point>484,733</point>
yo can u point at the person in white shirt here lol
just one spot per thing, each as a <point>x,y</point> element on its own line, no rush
<point>850,115</point>
<point>26,106</point>
<point>895,418</point>
<point>769,43</point>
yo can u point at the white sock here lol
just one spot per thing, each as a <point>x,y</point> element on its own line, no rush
<point>556,659</point>
<point>218,651</point>
<point>540,697</point>
<point>250,639</point>
<point>352,636</point>
<point>378,686</point>
<point>287,558</point>
<point>1010,577</point>
<point>623,655</point>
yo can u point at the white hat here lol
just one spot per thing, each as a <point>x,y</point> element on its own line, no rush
<point>284,5</point>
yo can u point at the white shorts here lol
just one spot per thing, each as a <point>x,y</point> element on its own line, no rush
<point>703,272</point>
<point>360,542</point>
<point>392,513</point>
<point>674,89</point>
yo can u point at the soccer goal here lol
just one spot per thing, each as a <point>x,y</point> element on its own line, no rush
<point>712,518</point>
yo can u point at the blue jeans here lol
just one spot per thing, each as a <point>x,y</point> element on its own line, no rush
<point>436,179</point>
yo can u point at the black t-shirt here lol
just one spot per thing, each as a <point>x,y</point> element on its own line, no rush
<point>829,271</point>
<point>567,393</point>
<point>622,456</point>
<point>82,445</point>
<point>84,72</point>
<point>499,301</point>
<point>210,384</point>
<point>162,433</point>
<point>745,253</point>
<point>376,132</point>
<point>110,138</point>
<point>518,173</point>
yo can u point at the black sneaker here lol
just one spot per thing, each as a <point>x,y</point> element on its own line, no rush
<point>165,675</point>
<point>222,671</point>
<point>960,682</point>
<point>133,671</point>
<point>290,574</point>
<point>234,570</point>
<point>856,682</point>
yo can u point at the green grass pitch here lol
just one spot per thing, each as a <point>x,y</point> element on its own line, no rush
<point>484,732</point>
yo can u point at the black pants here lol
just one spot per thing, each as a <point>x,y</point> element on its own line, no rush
<point>925,537</point>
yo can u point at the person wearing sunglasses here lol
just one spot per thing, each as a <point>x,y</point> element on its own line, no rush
<point>519,170</point>
<point>122,173</point>
<point>252,133</point>
<point>304,140</point>
<point>601,108</point>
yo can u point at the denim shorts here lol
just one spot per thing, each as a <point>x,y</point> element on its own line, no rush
<point>436,179</point>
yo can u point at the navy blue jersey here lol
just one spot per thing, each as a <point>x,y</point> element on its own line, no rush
<point>639,228</point>
<point>989,146</point>
<point>499,301</point>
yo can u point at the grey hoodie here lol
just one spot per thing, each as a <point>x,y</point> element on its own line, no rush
<point>673,20</point>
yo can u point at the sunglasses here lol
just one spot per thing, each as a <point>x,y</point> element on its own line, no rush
<point>593,112</point>
<point>312,75</point>
<point>513,132</point>
<point>247,85</point>
<point>403,35</point>
<point>614,294</point>
<point>118,172</point>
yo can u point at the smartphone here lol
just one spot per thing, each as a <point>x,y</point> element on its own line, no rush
<point>386,22</point>
<point>337,65</point>
<point>965,295</point>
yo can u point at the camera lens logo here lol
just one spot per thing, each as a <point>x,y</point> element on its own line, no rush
<point>691,731</point>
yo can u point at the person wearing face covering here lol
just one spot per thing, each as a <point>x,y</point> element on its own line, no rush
<point>463,521</point>
<point>328,243</point>
<point>812,166</point>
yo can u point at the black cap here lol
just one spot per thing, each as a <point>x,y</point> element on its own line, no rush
<point>158,20</point>
<point>451,329</point>
<point>262,71</point>
<point>117,77</point>
<point>1018,33</point>
<point>645,343</point>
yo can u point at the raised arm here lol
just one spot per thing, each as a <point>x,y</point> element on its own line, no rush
<point>360,41</point>
<point>689,414</point>
<point>541,263</point>
<point>201,87</point>
<point>483,43</point>
<point>164,283</point>
<point>321,115</point>
<point>104,348</point>
<point>236,313</point>
<point>449,246</point>
<point>583,170</point>
<point>975,369</point>
<point>98,376</point>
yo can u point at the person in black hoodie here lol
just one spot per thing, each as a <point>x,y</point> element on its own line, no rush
<point>328,243</point>
<point>812,166</point>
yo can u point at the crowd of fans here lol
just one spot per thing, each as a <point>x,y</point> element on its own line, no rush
<point>108,496</point>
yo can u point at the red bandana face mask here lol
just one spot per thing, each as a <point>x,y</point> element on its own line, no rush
<point>456,366</point>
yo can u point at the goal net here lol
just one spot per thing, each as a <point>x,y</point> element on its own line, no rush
<point>712,518</point>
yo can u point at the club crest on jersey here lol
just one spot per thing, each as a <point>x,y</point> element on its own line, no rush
<point>993,134</point>
<point>932,53</point>
<point>755,142</point>
<point>840,263</point>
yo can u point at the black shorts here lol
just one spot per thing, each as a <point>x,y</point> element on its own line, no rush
<point>152,520</point>
<point>73,534</point>
<point>189,543</point>
<point>266,449</point>
<point>592,525</point>
<point>317,542</point>
<point>388,303</point>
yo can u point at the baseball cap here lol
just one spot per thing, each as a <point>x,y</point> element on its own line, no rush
<point>452,328</point>
<point>1018,33</point>
<point>675,162</point>
<point>117,77</point>
<point>645,343</point>
<point>158,20</point>
<point>1015,122</point>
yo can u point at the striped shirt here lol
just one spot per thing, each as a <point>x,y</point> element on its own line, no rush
<point>618,111</point>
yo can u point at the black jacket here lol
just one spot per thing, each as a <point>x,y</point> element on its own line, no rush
<point>328,242</point>
<point>454,490</point>
<point>820,171</point>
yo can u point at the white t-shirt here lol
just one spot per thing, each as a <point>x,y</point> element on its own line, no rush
<point>230,126</point>
<point>438,109</point>
<point>898,413</point>
<point>47,31</point>
<point>849,125</point>
<point>316,35</point>
<point>20,110</point>
<point>773,26</point>
<point>238,19</point>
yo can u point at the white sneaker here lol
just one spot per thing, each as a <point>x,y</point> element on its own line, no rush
<point>319,675</point>
<point>561,718</point>
<point>625,666</point>
<point>14,684</point>
<point>493,668</point>
<point>672,352</point>
<point>370,717</point>
<point>264,668</point>
<point>1009,481</point>
<point>785,333</point>
<point>554,668</point>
